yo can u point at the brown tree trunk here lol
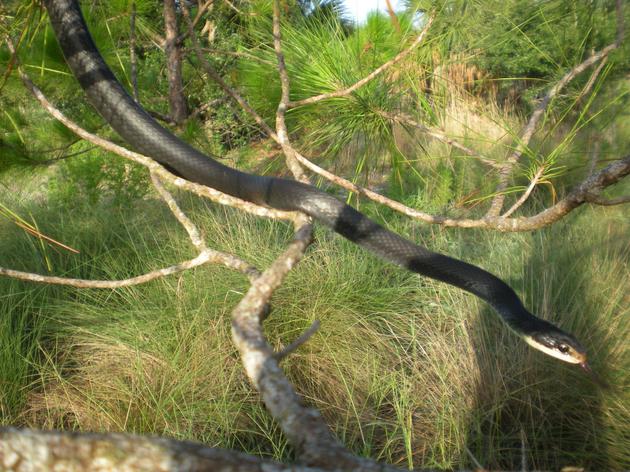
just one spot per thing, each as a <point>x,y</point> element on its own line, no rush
<point>176,99</point>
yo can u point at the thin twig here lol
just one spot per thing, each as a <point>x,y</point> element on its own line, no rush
<point>204,257</point>
<point>283,106</point>
<point>527,193</point>
<point>189,226</point>
<point>302,339</point>
<point>348,90</point>
<point>224,52</point>
<point>504,174</point>
<point>592,79</point>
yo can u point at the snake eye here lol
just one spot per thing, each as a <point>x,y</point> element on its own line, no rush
<point>563,348</point>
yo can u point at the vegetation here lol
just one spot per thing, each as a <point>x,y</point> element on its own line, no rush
<point>404,369</point>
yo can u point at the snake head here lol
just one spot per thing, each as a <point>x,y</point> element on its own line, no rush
<point>565,347</point>
<point>558,344</point>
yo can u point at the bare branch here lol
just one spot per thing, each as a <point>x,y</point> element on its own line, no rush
<point>302,339</point>
<point>527,193</point>
<point>303,426</point>
<point>347,91</point>
<point>178,108</point>
<point>162,117</point>
<point>592,186</point>
<point>283,106</point>
<point>204,257</point>
<point>497,223</point>
<point>23,449</point>
<point>224,52</point>
<point>504,174</point>
<point>591,80</point>
<point>214,195</point>
<point>191,229</point>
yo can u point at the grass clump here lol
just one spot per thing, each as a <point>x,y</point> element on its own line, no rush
<point>404,369</point>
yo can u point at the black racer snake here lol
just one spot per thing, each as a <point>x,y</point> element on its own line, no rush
<point>142,132</point>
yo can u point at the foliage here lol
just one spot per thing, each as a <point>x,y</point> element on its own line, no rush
<point>29,137</point>
<point>322,57</point>
<point>405,369</point>
<point>521,40</point>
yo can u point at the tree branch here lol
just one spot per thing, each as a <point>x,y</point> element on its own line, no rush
<point>153,166</point>
<point>347,91</point>
<point>302,339</point>
<point>132,52</point>
<point>495,223</point>
<point>527,193</point>
<point>191,229</point>
<point>504,174</point>
<point>283,106</point>
<point>204,257</point>
<point>29,450</point>
<point>303,426</point>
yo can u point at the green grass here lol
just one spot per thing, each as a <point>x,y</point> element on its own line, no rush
<point>404,369</point>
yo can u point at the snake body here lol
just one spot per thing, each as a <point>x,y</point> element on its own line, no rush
<point>141,131</point>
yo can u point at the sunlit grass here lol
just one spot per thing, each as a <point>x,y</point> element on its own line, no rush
<point>404,369</point>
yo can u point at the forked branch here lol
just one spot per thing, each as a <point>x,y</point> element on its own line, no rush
<point>528,132</point>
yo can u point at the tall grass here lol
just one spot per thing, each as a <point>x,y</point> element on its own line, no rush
<point>404,369</point>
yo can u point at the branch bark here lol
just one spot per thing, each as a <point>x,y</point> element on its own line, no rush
<point>283,106</point>
<point>28,450</point>
<point>132,52</point>
<point>527,193</point>
<point>176,98</point>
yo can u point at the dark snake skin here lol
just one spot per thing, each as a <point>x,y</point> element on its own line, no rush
<point>148,137</point>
